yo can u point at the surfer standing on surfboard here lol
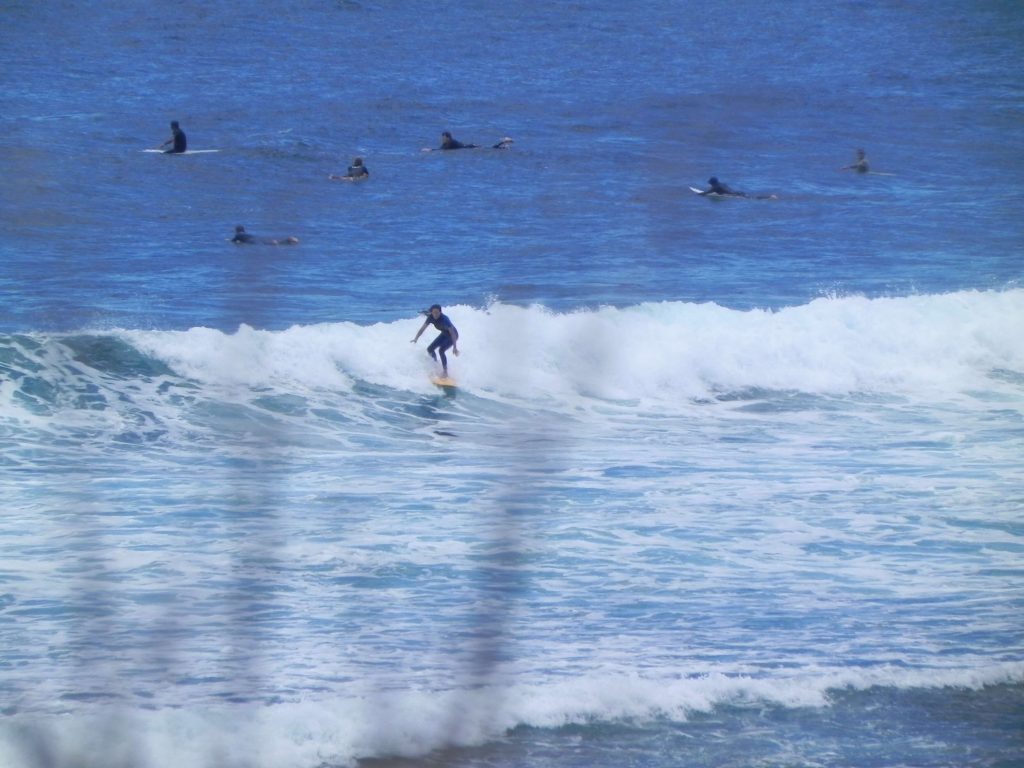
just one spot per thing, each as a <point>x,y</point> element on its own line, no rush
<point>448,336</point>
<point>177,139</point>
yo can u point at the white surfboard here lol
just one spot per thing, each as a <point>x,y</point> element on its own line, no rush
<point>711,195</point>
<point>716,196</point>
<point>186,152</point>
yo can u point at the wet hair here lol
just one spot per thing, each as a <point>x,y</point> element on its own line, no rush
<point>174,123</point>
<point>239,228</point>
<point>435,306</point>
<point>713,180</point>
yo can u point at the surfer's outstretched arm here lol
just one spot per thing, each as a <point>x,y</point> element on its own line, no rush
<point>420,331</point>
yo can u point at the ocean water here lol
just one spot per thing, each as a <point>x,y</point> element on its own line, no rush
<point>724,482</point>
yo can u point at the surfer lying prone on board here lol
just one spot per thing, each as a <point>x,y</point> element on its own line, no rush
<point>177,139</point>
<point>718,189</point>
<point>244,238</point>
<point>447,142</point>
<point>448,336</point>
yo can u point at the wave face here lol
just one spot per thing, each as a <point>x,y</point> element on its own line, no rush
<point>288,548</point>
<point>668,353</point>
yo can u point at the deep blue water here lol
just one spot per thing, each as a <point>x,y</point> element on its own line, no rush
<point>725,482</point>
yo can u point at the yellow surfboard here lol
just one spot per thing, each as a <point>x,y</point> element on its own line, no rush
<point>443,381</point>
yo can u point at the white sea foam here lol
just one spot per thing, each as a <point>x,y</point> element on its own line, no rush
<point>634,563</point>
<point>666,355</point>
<point>916,346</point>
<point>412,723</point>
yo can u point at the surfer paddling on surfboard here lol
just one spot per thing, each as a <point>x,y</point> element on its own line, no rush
<point>717,189</point>
<point>447,142</point>
<point>244,238</point>
<point>177,139</point>
<point>448,336</point>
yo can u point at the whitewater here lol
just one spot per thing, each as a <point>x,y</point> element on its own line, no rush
<point>288,548</point>
<point>665,352</point>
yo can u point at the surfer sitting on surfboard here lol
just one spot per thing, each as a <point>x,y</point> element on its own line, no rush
<point>356,171</point>
<point>177,139</point>
<point>448,336</point>
<point>860,165</point>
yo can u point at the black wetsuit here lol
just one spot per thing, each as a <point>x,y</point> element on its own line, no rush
<point>357,171</point>
<point>718,188</point>
<point>243,237</point>
<point>444,340</point>
<point>180,143</point>
<point>450,143</point>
